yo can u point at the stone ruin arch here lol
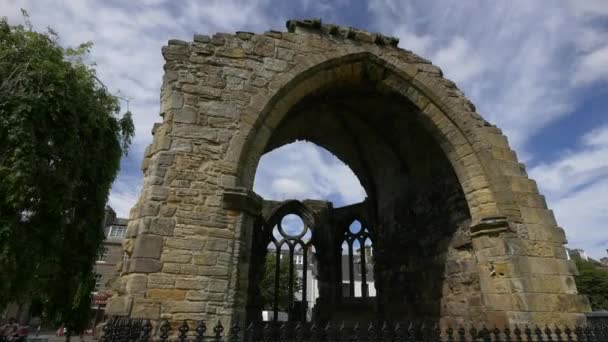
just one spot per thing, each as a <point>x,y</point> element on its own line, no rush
<point>435,171</point>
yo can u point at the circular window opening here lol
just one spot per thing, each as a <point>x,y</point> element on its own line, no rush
<point>292,225</point>
<point>355,227</point>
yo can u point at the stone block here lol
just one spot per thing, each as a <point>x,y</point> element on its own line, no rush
<point>206,258</point>
<point>217,285</point>
<point>183,307</point>
<point>119,306</point>
<point>539,265</point>
<point>187,114</point>
<point>544,283</point>
<point>176,256</point>
<point>139,265</point>
<point>275,64</point>
<point>201,38</point>
<point>174,101</point>
<point>149,208</point>
<point>137,284</point>
<point>568,285</point>
<point>161,281</point>
<point>191,283</point>
<point>230,52</point>
<point>220,245</point>
<point>145,309</point>
<point>499,302</point>
<point>166,294</point>
<point>185,243</point>
<point>162,226</point>
<point>504,269</point>
<point>216,271</point>
<point>523,185</point>
<point>566,267</point>
<point>148,246</point>
<point>538,216</point>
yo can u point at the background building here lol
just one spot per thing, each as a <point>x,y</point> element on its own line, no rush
<point>312,282</point>
<point>107,263</point>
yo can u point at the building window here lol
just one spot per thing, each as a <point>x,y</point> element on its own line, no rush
<point>117,231</point>
<point>299,259</point>
<point>102,256</point>
<point>97,282</point>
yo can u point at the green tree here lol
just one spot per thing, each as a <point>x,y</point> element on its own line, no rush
<point>593,282</point>
<point>61,141</point>
<point>267,285</point>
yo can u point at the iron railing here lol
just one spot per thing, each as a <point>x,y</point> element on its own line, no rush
<point>122,329</point>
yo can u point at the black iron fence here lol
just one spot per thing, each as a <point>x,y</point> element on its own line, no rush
<point>121,329</point>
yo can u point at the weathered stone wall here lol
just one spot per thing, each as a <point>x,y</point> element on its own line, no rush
<point>223,100</point>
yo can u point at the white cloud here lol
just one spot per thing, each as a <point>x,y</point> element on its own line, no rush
<point>302,170</point>
<point>576,187</point>
<point>513,59</point>
<point>124,194</point>
<point>592,67</point>
<point>583,215</point>
<point>576,168</point>
<point>459,61</point>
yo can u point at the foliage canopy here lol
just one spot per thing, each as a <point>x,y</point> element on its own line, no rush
<point>267,285</point>
<point>593,282</point>
<point>61,141</point>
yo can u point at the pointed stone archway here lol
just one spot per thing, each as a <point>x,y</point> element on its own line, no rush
<point>453,208</point>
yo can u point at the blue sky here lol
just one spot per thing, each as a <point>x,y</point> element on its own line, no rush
<point>538,69</point>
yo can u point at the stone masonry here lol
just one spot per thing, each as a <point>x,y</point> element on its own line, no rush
<point>466,233</point>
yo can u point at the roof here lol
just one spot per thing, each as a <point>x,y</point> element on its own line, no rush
<point>120,221</point>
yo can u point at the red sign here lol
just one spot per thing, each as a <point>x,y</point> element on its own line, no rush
<point>100,299</point>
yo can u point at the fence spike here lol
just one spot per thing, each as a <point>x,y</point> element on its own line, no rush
<point>235,331</point>
<point>568,333</point>
<point>283,332</point>
<point>435,333</point>
<point>201,328</point>
<point>299,332</point>
<point>485,334</point>
<point>315,333</point>
<point>371,332</point>
<point>558,333</point>
<point>145,331</point>
<point>507,331</point>
<point>538,333</point>
<point>250,333</point>
<point>462,334</point>
<point>165,327</point>
<point>218,330</point>
<point>267,332</point>
<point>107,331</point>
<point>473,333</point>
<point>528,333</point>
<point>386,332</point>
<point>411,332</point>
<point>356,334</point>
<point>517,332</point>
<point>450,333</point>
<point>548,333</point>
<point>340,333</point>
<point>496,333</point>
<point>183,332</point>
<point>125,327</point>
